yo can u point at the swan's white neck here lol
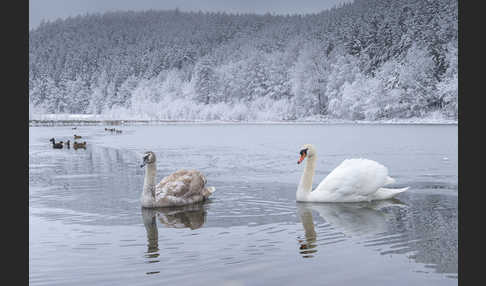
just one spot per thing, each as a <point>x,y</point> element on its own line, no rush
<point>149,181</point>
<point>305,185</point>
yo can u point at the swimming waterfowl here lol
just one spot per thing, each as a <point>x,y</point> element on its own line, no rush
<point>354,180</point>
<point>77,136</point>
<point>77,145</point>
<point>180,188</point>
<point>56,145</point>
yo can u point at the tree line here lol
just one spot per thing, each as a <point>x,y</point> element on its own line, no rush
<point>369,59</point>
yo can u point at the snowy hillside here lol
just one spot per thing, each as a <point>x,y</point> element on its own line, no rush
<point>368,60</point>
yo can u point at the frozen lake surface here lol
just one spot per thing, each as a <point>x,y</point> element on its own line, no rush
<point>86,226</point>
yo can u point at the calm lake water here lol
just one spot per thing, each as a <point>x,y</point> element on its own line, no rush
<point>86,225</point>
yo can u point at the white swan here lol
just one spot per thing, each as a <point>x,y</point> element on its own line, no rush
<point>180,188</point>
<point>354,180</point>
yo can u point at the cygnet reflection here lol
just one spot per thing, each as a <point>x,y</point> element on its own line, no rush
<point>190,216</point>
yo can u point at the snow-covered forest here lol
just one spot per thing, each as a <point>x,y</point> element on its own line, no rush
<point>367,60</point>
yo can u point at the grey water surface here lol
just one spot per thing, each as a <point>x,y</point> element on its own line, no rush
<point>86,225</point>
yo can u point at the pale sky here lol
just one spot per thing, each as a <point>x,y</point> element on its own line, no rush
<point>54,9</point>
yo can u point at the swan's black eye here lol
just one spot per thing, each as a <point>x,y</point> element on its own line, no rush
<point>303,151</point>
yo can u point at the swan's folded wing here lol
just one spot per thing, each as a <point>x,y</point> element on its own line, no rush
<point>181,184</point>
<point>176,184</point>
<point>355,177</point>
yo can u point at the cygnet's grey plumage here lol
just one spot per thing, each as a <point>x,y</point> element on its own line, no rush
<point>180,188</point>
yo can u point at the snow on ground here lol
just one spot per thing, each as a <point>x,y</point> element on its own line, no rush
<point>62,119</point>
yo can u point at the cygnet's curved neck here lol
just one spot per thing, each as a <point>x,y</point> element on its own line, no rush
<point>149,181</point>
<point>305,185</point>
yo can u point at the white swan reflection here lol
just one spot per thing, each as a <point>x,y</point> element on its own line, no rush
<point>349,219</point>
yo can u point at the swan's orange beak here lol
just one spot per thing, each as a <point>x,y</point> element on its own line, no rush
<point>302,157</point>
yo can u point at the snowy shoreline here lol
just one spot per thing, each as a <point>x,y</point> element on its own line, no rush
<point>88,119</point>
